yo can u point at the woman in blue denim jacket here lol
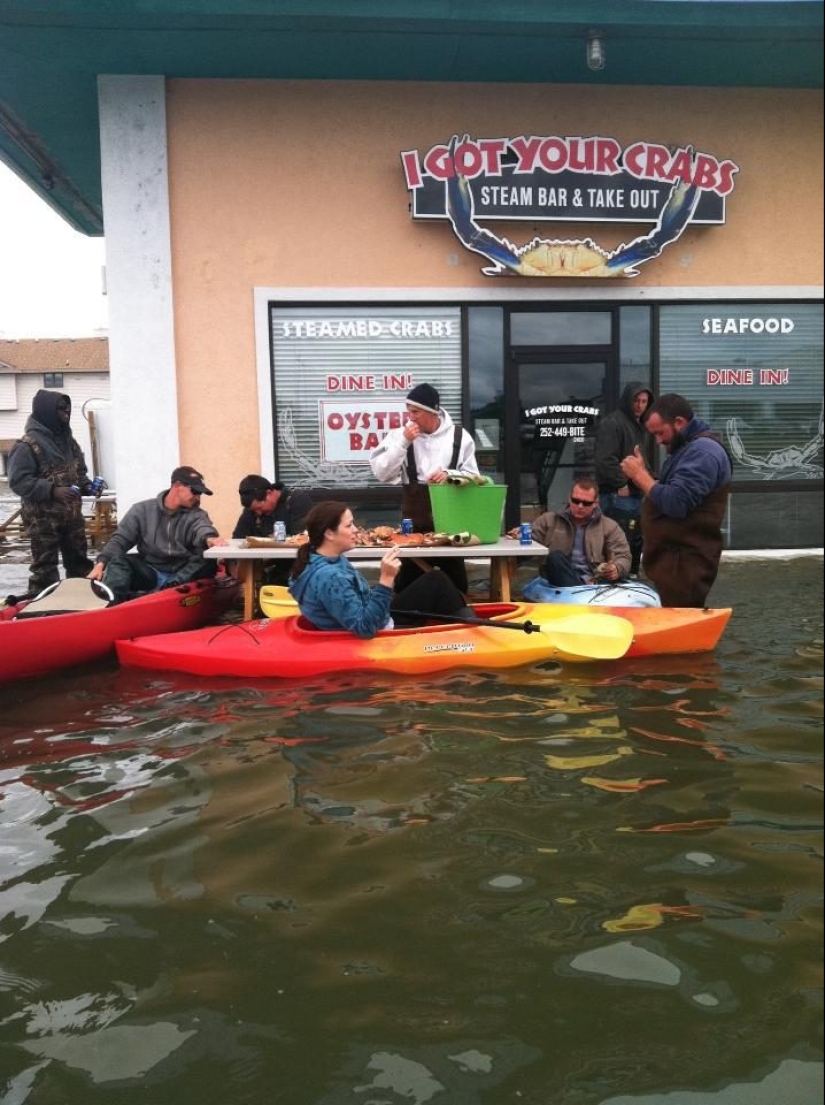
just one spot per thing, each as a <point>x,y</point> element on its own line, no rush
<point>333,595</point>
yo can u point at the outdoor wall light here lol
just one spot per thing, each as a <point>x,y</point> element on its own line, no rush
<point>594,51</point>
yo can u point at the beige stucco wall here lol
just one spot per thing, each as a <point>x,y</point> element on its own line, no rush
<point>299,184</point>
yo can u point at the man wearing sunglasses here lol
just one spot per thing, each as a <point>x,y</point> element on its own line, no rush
<point>583,545</point>
<point>170,533</point>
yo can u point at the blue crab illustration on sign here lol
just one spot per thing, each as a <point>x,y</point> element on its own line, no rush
<point>566,258</point>
<point>796,462</point>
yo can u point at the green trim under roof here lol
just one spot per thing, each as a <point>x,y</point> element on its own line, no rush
<point>51,54</point>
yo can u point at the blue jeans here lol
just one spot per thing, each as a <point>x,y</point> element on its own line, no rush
<point>612,504</point>
<point>126,574</point>
<point>558,570</point>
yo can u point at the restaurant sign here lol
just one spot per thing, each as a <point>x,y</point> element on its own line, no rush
<point>560,421</point>
<point>569,180</point>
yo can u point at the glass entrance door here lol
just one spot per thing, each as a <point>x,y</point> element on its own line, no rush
<point>552,408</point>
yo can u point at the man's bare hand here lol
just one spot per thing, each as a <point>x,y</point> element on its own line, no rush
<point>65,495</point>
<point>97,571</point>
<point>607,570</point>
<point>634,465</point>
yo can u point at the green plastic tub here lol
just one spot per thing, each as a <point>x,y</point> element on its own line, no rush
<point>478,510</point>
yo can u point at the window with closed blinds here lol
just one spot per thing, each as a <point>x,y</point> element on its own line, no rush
<point>341,376</point>
<point>754,373</point>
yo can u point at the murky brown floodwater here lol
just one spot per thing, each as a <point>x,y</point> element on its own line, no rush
<point>591,885</point>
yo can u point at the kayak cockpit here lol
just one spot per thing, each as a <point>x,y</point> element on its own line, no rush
<point>492,611</point>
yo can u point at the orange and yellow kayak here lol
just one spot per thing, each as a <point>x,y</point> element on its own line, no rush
<point>287,647</point>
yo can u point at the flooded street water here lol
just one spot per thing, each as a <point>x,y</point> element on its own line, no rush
<point>584,885</point>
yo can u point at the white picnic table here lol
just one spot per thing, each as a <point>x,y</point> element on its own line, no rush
<point>503,555</point>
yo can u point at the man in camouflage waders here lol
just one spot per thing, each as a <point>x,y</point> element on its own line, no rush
<point>48,471</point>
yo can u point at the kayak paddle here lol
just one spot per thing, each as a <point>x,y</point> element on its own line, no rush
<point>592,636</point>
<point>597,637</point>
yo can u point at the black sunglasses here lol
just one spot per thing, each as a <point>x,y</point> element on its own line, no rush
<point>582,502</point>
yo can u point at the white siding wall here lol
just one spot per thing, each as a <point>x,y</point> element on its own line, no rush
<point>8,393</point>
<point>79,386</point>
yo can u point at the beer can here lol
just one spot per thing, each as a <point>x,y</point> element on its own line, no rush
<point>406,525</point>
<point>75,490</point>
<point>98,486</point>
<point>280,531</point>
<point>525,534</point>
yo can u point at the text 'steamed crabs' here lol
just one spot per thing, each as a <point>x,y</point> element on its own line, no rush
<point>583,257</point>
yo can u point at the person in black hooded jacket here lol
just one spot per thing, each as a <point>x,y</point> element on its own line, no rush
<point>45,466</point>
<point>616,438</point>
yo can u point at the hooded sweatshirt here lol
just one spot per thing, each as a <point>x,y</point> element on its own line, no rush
<point>616,438</point>
<point>333,595</point>
<point>171,541</point>
<point>47,456</point>
<point>697,465</point>
<point>682,517</point>
<point>388,459</point>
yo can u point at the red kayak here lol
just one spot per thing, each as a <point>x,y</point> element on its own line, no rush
<point>39,645</point>
<point>287,647</point>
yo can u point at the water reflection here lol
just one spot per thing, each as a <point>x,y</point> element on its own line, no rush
<point>553,885</point>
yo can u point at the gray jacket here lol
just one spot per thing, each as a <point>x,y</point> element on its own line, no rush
<point>169,540</point>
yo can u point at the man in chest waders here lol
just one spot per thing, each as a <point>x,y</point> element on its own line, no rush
<point>48,471</point>
<point>419,454</point>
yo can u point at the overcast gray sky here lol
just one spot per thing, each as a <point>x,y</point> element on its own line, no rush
<point>51,283</point>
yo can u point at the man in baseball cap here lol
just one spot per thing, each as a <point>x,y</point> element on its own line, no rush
<point>170,534</point>
<point>190,478</point>
<point>265,503</point>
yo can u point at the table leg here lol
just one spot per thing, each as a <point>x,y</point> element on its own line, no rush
<point>500,572</point>
<point>246,577</point>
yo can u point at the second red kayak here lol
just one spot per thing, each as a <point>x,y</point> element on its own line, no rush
<point>37,646</point>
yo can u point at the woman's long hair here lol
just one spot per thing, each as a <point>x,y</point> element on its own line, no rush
<point>323,516</point>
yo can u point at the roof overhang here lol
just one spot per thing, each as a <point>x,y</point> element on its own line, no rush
<point>52,52</point>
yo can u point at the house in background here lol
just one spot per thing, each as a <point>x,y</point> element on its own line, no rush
<point>79,367</point>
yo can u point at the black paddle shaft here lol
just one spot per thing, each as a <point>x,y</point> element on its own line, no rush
<point>523,627</point>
